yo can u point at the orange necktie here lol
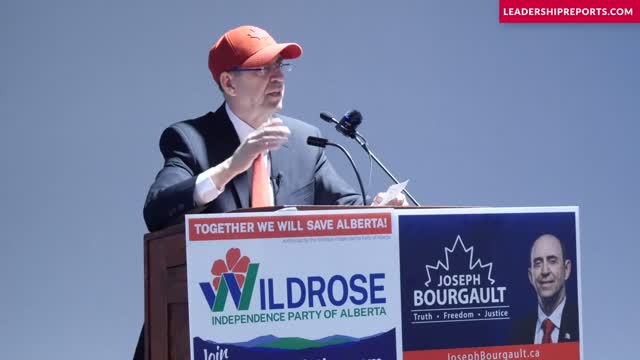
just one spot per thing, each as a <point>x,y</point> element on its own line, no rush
<point>260,187</point>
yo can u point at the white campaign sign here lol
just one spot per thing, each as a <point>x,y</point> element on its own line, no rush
<point>299,285</point>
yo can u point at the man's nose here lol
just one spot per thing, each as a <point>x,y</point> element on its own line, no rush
<point>545,268</point>
<point>278,79</point>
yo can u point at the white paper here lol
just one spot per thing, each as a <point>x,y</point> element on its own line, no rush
<point>392,192</point>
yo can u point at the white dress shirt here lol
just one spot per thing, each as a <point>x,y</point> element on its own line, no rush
<point>556,318</point>
<point>205,190</point>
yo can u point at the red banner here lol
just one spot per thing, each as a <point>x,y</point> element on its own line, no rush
<point>559,351</point>
<point>569,11</point>
<point>266,227</point>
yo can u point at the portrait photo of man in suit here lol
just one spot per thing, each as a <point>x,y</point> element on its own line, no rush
<point>556,318</point>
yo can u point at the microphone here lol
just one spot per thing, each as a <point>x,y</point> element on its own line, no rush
<point>347,126</point>
<point>323,143</point>
<point>328,118</point>
<point>316,141</point>
<point>349,123</point>
<point>275,180</point>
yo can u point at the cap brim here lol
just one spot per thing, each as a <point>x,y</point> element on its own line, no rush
<point>266,55</point>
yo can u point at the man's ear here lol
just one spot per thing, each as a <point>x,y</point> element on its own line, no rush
<point>531,280</point>
<point>567,269</point>
<point>226,84</point>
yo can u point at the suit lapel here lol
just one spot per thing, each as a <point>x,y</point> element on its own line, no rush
<point>569,324</point>
<point>226,143</point>
<point>278,160</point>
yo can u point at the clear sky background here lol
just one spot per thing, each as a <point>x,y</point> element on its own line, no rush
<point>473,112</point>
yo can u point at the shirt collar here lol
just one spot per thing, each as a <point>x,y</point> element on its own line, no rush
<point>242,128</point>
<point>555,317</point>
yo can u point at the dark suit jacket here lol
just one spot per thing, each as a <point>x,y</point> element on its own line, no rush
<point>301,174</point>
<point>524,330</point>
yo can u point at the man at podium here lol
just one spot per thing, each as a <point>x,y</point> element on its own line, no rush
<point>244,154</point>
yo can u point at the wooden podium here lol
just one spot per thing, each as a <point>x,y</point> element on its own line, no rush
<point>166,315</point>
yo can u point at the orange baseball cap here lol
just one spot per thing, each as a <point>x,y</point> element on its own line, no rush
<point>247,46</point>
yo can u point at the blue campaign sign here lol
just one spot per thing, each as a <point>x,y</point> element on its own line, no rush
<point>482,278</point>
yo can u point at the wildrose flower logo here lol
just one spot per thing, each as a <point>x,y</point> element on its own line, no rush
<point>235,263</point>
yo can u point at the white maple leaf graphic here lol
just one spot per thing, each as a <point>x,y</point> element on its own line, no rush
<point>472,264</point>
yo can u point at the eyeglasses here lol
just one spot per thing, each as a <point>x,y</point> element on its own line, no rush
<point>267,69</point>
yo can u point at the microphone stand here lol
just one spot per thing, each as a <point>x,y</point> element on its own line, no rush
<point>363,143</point>
<point>321,142</point>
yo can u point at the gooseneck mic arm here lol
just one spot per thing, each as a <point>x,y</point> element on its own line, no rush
<point>347,127</point>
<point>321,142</point>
